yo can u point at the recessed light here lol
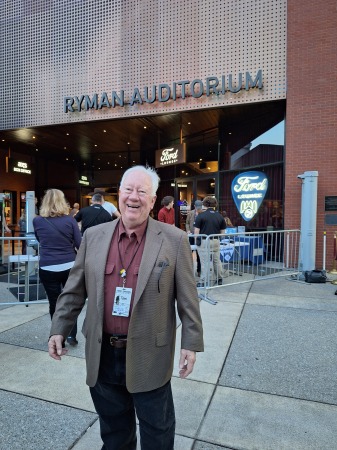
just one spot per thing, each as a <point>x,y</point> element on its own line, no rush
<point>3,140</point>
<point>188,123</point>
<point>95,145</point>
<point>104,131</point>
<point>33,137</point>
<point>145,127</point>
<point>67,134</point>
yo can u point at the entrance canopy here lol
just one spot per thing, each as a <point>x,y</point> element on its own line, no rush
<point>119,143</point>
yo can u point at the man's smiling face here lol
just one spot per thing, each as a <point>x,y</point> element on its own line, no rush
<point>136,199</point>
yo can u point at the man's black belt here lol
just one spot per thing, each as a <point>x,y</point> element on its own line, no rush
<point>116,340</point>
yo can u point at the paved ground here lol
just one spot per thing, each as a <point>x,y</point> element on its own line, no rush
<point>267,379</point>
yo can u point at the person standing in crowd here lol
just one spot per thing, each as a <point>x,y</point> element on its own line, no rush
<point>94,214</point>
<point>227,220</point>
<point>59,238</point>
<point>23,230</point>
<point>210,222</point>
<point>75,209</point>
<point>166,213</point>
<point>133,271</point>
<point>190,219</point>
<point>108,206</point>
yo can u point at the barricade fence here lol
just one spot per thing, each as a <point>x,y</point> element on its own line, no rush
<point>227,259</point>
<point>219,260</point>
<point>19,265</point>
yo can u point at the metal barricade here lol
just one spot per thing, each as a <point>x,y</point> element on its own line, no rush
<point>20,262</point>
<point>228,259</point>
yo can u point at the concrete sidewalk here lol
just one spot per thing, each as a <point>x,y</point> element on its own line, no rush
<point>267,378</point>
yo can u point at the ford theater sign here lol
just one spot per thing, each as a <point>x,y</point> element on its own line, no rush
<point>248,191</point>
<point>170,156</point>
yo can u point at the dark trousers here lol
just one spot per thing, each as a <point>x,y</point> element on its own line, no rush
<point>53,283</point>
<point>116,408</point>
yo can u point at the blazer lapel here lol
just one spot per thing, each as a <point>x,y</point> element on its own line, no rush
<point>101,255</point>
<point>152,247</point>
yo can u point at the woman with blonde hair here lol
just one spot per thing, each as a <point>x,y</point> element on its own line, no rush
<point>59,238</point>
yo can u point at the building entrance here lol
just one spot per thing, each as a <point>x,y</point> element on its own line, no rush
<point>187,190</point>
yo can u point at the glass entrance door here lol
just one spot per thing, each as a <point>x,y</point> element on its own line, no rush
<point>183,200</point>
<point>187,190</point>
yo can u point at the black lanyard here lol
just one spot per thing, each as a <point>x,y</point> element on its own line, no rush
<point>123,271</point>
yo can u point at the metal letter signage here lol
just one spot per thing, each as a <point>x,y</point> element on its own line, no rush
<point>164,92</point>
<point>248,191</point>
<point>171,155</point>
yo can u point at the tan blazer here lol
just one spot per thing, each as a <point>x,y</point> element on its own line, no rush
<point>152,330</point>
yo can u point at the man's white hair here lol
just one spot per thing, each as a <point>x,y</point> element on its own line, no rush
<point>149,171</point>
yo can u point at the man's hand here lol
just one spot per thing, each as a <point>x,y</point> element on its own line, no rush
<point>186,362</point>
<point>55,346</point>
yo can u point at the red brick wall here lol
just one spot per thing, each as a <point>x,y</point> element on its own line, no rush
<point>311,122</point>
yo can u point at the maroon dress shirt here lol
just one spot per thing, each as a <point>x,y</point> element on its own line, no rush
<point>125,253</point>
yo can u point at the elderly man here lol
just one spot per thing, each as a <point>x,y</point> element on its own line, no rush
<point>133,271</point>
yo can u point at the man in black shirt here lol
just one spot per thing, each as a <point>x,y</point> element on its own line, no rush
<point>94,214</point>
<point>208,223</point>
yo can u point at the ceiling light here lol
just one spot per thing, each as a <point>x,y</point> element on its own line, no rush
<point>200,159</point>
<point>36,149</point>
<point>3,140</point>
<point>95,145</point>
<point>188,123</point>
<point>104,131</point>
<point>67,134</point>
<point>145,127</point>
<point>33,137</point>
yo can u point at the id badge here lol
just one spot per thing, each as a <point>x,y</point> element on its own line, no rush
<point>122,302</point>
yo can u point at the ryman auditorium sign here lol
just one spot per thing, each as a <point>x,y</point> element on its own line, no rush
<point>163,92</point>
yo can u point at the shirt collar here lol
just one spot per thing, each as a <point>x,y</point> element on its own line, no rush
<point>138,233</point>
